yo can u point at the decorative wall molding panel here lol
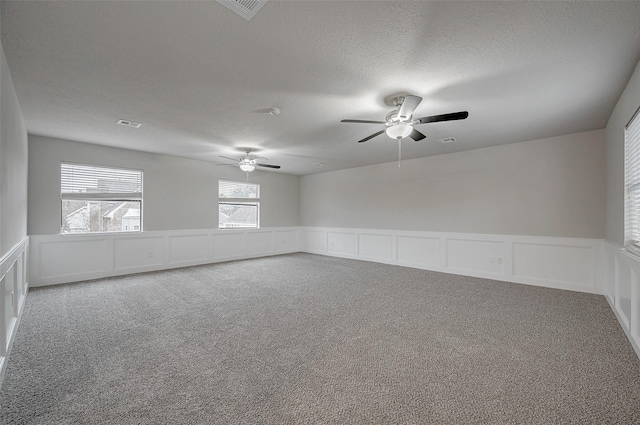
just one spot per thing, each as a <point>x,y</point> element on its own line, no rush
<point>70,258</point>
<point>14,283</point>
<point>622,290</point>
<point>562,263</point>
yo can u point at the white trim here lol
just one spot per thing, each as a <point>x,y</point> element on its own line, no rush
<point>70,258</point>
<point>563,263</point>
<point>14,283</point>
<point>622,289</point>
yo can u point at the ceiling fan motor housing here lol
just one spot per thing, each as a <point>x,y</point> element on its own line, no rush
<point>392,118</point>
<point>397,101</point>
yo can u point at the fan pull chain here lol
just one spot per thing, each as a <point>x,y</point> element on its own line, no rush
<point>399,151</point>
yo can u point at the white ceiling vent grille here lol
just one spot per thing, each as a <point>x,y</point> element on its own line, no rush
<point>448,140</point>
<point>128,123</point>
<point>245,8</point>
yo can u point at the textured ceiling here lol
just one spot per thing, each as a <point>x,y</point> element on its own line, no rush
<point>201,78</point>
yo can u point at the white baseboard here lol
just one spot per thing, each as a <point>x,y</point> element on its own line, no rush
<point>563,263</point>
<point>14,285</point>
<point>59,259</point>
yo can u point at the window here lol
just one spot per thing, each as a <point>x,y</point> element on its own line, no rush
<point>632,183</point>
<point>238,205</point>
<point>99,199</point>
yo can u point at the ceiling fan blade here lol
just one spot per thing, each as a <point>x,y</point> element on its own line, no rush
<point>444,117</point>
<point>230,159</point>
<point>409,104</point>
<point>372,136</point>
<point>226,165</point>
<point>277,167</point>
<point>364,121</point>
<point>416,135</point>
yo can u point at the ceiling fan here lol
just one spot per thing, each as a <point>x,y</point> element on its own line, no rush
<point>248,163</point>
<point>400,122</point>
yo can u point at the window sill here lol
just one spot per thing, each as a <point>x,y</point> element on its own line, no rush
<point>631,254</point>
<point>129,232</point>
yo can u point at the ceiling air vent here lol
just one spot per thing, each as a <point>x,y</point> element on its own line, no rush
<point>128,123</point>
<point>245,8</point>
<point>448,140</point>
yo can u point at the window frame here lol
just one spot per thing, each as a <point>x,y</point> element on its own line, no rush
<point>240,202</point>
<point>102,197</point>
<point>632,185</point>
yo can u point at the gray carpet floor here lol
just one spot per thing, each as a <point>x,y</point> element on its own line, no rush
<point>305,339</point>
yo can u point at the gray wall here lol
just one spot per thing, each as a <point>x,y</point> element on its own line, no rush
<point>178,193</point>
<point>550,187</point>
<point>622,113</point>
<point>13,165</point>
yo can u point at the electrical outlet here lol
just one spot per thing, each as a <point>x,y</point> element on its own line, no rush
<point>492,260</point>
<point>150,254</point>
<point>499,260</point>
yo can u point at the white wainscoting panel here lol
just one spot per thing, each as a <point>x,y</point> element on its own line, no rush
<point>570,264</point>
<point>609,288</point>
<point>563,263</point>
<point>70,258</point>
<point>228,246</point>
<point>623,289</point>
<point>314,240</point>
<point>135,253</point>
<point>375,247</point>
<point>480,257</point>
<point>84,257</point>
<point>13,293</point>
<point>287,240</point>
<point>420,252</point>
<point>189,249</point>
<point>624,280</point>
<point>260,243</point>
<point>341,243</point>
<point>8,295</point>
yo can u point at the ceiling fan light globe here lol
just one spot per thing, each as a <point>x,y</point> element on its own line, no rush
<point>399,131</point>
<point>247,165</point>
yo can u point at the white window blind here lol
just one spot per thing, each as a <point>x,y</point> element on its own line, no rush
<point>79,181</point>
<point>97,199</point>
<point>238,205</point>
<point>237,190</point>
<point>632,184</point>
